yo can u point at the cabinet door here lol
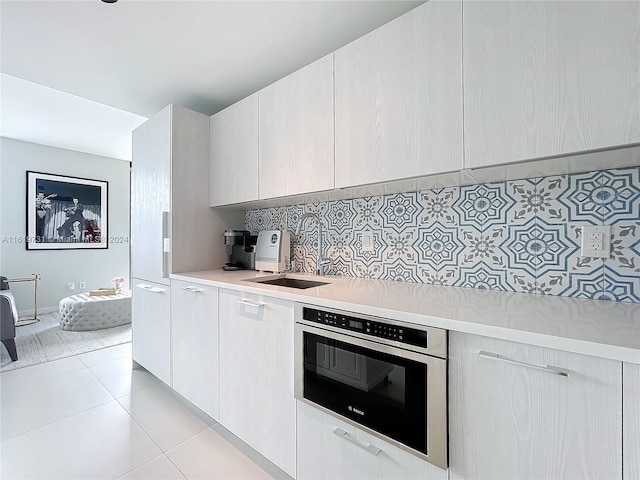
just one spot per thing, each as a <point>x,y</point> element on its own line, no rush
<point>234,153</point>
<point>194,345</point>
<point>151,329</point>
<point>330,448</point>
<point>511,421</point>
<point>631,418</point>
<point>399,98</point>
<point>150,196</point>
<point>296,132</point>
<point>256,374</point>
<point>549,78</point>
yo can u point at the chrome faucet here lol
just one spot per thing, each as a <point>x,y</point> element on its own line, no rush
<point>320,262</point>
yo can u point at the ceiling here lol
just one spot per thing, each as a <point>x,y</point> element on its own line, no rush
<point>82,74</point>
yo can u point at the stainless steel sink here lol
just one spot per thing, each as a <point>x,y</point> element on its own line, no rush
<point>291,282</point>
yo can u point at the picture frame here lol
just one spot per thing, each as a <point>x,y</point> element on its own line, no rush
<point>66,213</point>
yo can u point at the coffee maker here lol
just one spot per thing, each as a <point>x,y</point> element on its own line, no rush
<point>240,246</point>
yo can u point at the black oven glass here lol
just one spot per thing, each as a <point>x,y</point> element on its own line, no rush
<point>383,392</point>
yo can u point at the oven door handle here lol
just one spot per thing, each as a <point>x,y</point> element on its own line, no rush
<point>372,449</point>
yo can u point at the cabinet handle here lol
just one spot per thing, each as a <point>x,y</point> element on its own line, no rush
<point>166,244</point>
<point>149,288</point>
<point>251,304</point>
<point>193,289</point>
<point>372,449</point>
<point>547,368</point>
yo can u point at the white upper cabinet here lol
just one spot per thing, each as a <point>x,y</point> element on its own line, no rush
<point>398,98</point>
<point>549,78</point>
<point>296,147</point>
<point>234,153</point>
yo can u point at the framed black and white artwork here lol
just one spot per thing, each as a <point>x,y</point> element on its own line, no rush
<point>66,212</point>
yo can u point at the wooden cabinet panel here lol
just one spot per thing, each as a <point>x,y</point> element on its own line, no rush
<point>151,328</point>
<point>322,454</point>
<point>398,98</point>
<point>256,374</point>
<point>631,421</point>
<point>549,78</point>
<point>234,153</point>
<point>510,421</point>
<point>296,145</point>
<point>150,195</point>
<point>194,345</point>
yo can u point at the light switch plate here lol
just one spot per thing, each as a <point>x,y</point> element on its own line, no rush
<point>367,241</point>
<point>596,241</point>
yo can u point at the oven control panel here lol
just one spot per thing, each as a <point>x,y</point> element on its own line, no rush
<point>411,336</point>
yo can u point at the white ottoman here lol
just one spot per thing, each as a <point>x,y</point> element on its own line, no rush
<point>84,312</point>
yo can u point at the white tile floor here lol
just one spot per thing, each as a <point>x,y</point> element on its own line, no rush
<point>92,417</point>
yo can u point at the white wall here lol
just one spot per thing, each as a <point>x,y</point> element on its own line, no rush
<point>57,267</point>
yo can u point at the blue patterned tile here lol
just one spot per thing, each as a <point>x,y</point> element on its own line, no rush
<point>620,195</point>
<point>620,287</point>
<point>448,276</point>
<point>484,278</point>
<point>400,211</point>
<point>257,220</point>
<point>482,206</point>
<point>294,212</point>
<point>552,283</point>
<point>400,271</point>
<point>581,197</point>
<point>478,246</point>
<point>438,206</point>
<point>277,218</point>
<point>625,248</point>
<point>548,205</point>
<point>526,202</point>
<point>340,216</point>
<point>589,284</point>
<point>400,245</point>
<point>539,248</point>
<point>438,246</point>
<point>368,212</point>
<point>340,265</point>
<point>520,281</point>
<point>369,271</point>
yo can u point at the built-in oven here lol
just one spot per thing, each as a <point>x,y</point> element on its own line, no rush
<point>385,376</point>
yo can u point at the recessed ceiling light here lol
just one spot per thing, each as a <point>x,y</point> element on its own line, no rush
<point>109,1</point>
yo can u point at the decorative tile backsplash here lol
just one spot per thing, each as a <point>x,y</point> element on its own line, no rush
<point>520,236</point>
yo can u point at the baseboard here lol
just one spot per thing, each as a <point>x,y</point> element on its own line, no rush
<point>41,310</point>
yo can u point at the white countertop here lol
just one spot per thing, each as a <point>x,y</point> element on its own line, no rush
<point>591,327</point>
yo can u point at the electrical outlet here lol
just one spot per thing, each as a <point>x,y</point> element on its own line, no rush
<point>367,241</point>
<point>83,285</point>
<point>596,241</point>
<point>71,285</point>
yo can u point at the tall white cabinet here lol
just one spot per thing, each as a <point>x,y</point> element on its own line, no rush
<point>173,229</point>
<point>549,78</point>
<point>521,420</point>
<point>296,151</point>
<point>398,98</point>
<point>631,420</point>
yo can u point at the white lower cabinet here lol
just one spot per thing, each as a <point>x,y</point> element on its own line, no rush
<point>194,345</point>
<point>256,374</point>
<point>516,420</point>
<point>329,448</point>
<point>631,420</point>
<point>151,327</point>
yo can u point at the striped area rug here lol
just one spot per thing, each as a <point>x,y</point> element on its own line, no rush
<point>45,341</point>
